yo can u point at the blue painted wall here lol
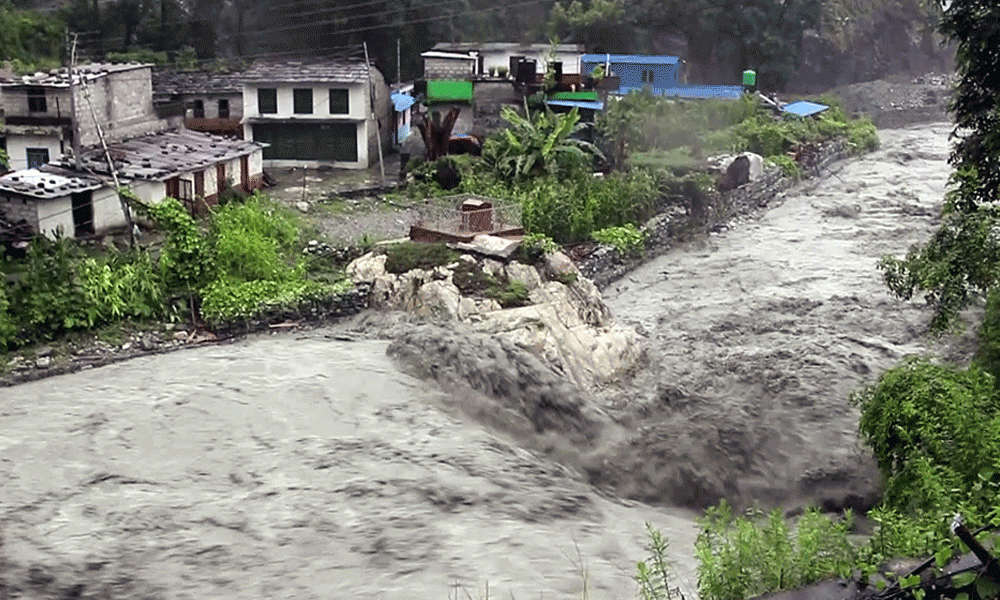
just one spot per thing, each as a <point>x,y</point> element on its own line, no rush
<point>630,69</point>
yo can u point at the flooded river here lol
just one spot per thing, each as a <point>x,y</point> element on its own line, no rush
<point>314,466</point>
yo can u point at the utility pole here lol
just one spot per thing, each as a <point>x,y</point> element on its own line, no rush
<point>399,79</point>
<point>111,167</point>
<point>371,100</point>
<point>75,122</point>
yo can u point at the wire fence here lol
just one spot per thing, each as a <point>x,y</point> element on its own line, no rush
<point>451,218</point>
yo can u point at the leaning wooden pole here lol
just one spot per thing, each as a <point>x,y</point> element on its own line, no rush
<point>111,166</point>
<point>371,101</point>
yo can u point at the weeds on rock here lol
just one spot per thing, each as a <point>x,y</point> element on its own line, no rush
<point>407,256</point>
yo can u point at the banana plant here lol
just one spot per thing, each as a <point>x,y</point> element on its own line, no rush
<point>538,144</point>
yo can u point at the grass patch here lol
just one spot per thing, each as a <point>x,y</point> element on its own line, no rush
<point>510,294</point>
<point>471,280</point>
<point>678,160</point>
<point>407,256</point>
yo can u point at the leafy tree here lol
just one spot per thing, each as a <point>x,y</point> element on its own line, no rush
<point>601,25</point>
<point>725,37</point>
<point>960,263</point>
<point>935,431</point>
<point>28,36</point>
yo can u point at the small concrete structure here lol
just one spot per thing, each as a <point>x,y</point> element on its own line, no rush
<point>471,216</point>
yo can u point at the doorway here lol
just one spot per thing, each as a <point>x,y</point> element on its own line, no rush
<point>83,213</point>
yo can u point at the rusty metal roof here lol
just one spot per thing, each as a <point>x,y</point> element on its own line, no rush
<point>309,71</point>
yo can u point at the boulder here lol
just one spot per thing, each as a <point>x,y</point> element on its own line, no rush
<point>523,274</point>
<point>557,265</point>
<point>367,268</point>
<point>439,300</point>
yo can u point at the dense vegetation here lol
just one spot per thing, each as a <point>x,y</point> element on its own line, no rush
<point>652,149</point>
<point>244,261</point>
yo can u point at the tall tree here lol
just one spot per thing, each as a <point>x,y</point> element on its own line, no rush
<point>961,262</point>
<point>601,25</point>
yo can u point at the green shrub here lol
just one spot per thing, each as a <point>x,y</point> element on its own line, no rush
<point>746,556</point>
<point>862,135</point>
<point>8,327</point>
<point>254,239</point>
<point>626,239</point>
<point>534,246</point>
<point>226,301</point>
<point>47,299</point>
<point>935,432</point>
<point>654,574</point>
<point>407,256</point>
<point>120,286</point>
<point>789,167</point>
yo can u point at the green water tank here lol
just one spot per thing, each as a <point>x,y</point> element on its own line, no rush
<point>750,77</point>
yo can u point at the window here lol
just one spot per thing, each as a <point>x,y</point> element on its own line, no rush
<point>647,76</point>
<point>267,101</point>
<point>339,104</point>
<point>199,109</point>
<point>302,101</point>
<point>224,108</point>
<point>37,157</point>
<point>36,100</point>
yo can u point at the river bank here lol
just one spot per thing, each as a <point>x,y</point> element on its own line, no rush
<point>312,464</point>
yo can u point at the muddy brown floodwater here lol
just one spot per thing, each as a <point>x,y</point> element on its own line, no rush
<point>759,334</point>
<point>314,466</point>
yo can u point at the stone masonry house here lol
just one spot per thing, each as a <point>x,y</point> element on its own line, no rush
<point>40,121</point>
<point>191,166</point>
<point>318,112</point>
<point>213,101</point>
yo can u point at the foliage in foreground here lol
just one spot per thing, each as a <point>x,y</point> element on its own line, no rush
<point>748,555</point>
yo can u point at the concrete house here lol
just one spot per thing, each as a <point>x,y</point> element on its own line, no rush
<point>490,56</point>
<point>316,113</point>
<point>191,166</point>
<point>476,78</point>
<point>213,102</point>
<point>41,117</point>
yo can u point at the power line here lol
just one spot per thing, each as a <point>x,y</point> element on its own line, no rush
<point>386,26</point>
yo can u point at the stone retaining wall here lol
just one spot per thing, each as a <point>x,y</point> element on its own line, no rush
<point>605,264</point>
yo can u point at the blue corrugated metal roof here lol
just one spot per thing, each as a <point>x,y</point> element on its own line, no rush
<point>401,102</point>
<point>723,92</point>
<point>804,109</point>
<point>635,59</point>
<point>577,103</point>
